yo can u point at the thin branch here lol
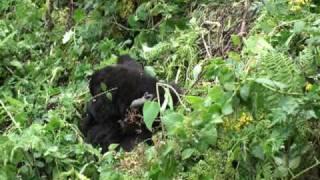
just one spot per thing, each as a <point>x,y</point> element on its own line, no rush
<point>306,170</point>
<point>11,116</point>
<point>206,46</point>
<point>104,92</point>
<point>48,17</point>
<point>70,15</point>
<point>244,19</point>
<point>176,93</point>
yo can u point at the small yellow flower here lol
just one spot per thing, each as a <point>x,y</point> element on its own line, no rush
<point>299,2</point>
<point>295,8</point>
<point>296,5</point>
<point>231,124</point>
<point>308,87</point>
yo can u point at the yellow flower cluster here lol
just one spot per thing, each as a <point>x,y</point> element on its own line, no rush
<point>296,5</point>
<point>244,120</point>
<point>308,86</point>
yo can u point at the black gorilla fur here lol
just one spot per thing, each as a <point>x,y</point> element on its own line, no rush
<point>104,121</point>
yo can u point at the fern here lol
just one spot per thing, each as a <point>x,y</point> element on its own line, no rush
<point>307,62</point>
<point>278,68</point>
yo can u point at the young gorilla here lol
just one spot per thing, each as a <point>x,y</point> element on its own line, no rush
<point>105,122</point>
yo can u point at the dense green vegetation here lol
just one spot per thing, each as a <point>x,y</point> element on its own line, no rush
<point>249,69</point>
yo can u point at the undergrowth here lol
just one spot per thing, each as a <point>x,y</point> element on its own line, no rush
<point>249,70</point>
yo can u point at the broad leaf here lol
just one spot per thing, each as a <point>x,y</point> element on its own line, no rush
<point>187,153</point>
<point>150,112</point>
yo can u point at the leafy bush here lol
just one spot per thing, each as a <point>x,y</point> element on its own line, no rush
<point>251,114</point>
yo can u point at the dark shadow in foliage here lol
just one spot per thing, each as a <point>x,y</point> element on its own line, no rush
<point>109,117</point>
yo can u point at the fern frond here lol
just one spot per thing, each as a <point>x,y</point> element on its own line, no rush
<point>306,62</point>
<point>279,68</point>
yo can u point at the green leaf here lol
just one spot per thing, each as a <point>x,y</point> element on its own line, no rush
<point>79,15</point>
<point>187,153</point>
<point>227,109</point>
<point>289,105</point>
<point>150,112</point>
<point>270,83</point>
<point>132,21</point>
<point>257,44</point>
<point>169,147</point>
<point>310,114</point>
<point>172,122</point>
<point>51,150</point>
<point>209,134</point>
<point>217,94</point>
<point>109,95</point>
<point>113,147</point>
<point>167,100</point>
<point>3,139</point>
<point>195,101</point>
<point>236,41</point>
<point>16,64</point>
<point>104,87</point>
<point>281,171</point>
<point>257,151</point>
<point>217,119</point>
<point>234,56</point>
<point>295,162</point>
<point>245,91</point>
<point>279,161</point>
<point>150,71</point>
<point>299,26</point>
<point>141,12</point>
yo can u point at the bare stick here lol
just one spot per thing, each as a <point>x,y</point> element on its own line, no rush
<point>10,116</point>
<point>176,93</point>
<point>307,169</point>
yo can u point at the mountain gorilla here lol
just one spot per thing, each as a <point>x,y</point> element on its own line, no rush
<point>119,92</point>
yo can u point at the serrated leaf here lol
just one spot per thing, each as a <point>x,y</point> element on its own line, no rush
<point>187,153</point>
<point>150,112</point>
